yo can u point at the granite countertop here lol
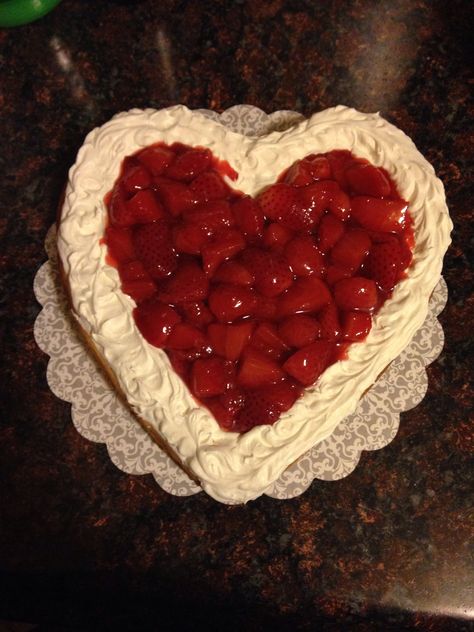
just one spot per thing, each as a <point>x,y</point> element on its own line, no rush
<point>85,546</point>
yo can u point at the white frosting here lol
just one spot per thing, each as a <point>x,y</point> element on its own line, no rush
<point>236,468</point>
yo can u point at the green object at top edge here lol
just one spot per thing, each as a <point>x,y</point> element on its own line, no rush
<point>16,12</point>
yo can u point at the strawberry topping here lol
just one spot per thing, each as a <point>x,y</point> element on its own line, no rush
<point>253,298</point>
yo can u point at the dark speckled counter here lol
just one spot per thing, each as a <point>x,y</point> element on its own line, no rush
<point>84,546</point>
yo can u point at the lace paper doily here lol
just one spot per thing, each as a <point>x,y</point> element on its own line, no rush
<point>99,414</point>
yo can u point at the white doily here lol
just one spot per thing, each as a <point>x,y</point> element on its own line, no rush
<point>99,414</point>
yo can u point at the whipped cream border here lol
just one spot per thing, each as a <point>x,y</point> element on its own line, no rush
<point>236,468</point>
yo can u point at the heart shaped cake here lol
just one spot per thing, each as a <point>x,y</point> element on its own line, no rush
<point>244,292</point>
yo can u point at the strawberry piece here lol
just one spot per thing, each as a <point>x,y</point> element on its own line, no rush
<point>307,364</point>
<point>132,271</point>
<point>325,195</point>
<point>209,186</point>
<point>145,207</point>
<point>180,363</point>
<point>233,272</point>
<point>304,213</point>
<point>351,249</point>
<point>249,217</point>
<point>387,216</point>
<point>187,284</point>
<point>329,320</point>
<point>155,320</point>
<point>270,270</point>
<point>175,196</point>
<point>257,369</point>
<point>196,313</point>
<point>265,405</point>
<point>228,302</point>
<point>119,213</point>
<point>339,203</point>
<point>139,289</point>
<point>266,338</point>
<point>306,171</point>
<point>335,273</point>
<point>119,243</point>
<point>189,164</point>
<point>278,200</point>
<point>265,308</point>
<point>276,236</point>
<point>136,177</point>
<point>385,263</point>
<point>186,336</point>
<point>356,326</point>
<point>307,294</point>
<point>230,340</point>
<point>299,330</point>
<point>222,415</point>
<point>339,160</point>
<point>209,377</point>
<point>211,216</point>
<point>189,238</point>
<point>152,243</point>
<point>355,293</point>
<point>365,179</point>
<point>224,246</point>
<point>304,257</point>
<point>156,158</point>
<point>330,231</point>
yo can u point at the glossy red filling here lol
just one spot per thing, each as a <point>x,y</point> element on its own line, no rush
<point>253,298</point>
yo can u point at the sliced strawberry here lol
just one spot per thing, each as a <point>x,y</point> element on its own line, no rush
<point>304,213</point>
<point>267,339</point>
<point>189,164</point>
<point>227,244</point>
<point>132,271</point>
<point>335,273</point>
<point>306,171</point>
<point>228,302</point>
<point>209,186</point>
<point>189,238</point>
<point>152,243</point>
<point>330,230</point>
<point>265,307</point>
<point>299,330</point>
<point>307,294</point>
<point>120,244</point>
<point>196,313</point>
<point>230,340</point>
<point>270,270</point>
<point>233,272</point>
<point>187,284</point>
<point>387,216</point>
<point>339,160</point>
<point>339,203</point>
<point>276,236</point>
<point>249,217</point>
<point>355,293</point>
<point>209,377</point>
<point>136,177</point>
<point>175,196</point>
<point>307,364</point>
<point>385,263</point>
<point>119,213</point>
<point>329,320</point>
<point>139,289</point>
<point>351,249</point>
<point>156,158</point>
<point>185,336</point>
<point>211,216</point>
<point>365,179</point>
<point>222,415</point>
<point>356,326</point>
<point>257,369</point>
<point>155,320</point>
<point>278,200</point>
<point>145,207</point>
<point>304,257</point>
<point>265,405</point>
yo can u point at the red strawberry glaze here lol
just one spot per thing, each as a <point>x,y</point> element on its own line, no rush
<point>253,298</point>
